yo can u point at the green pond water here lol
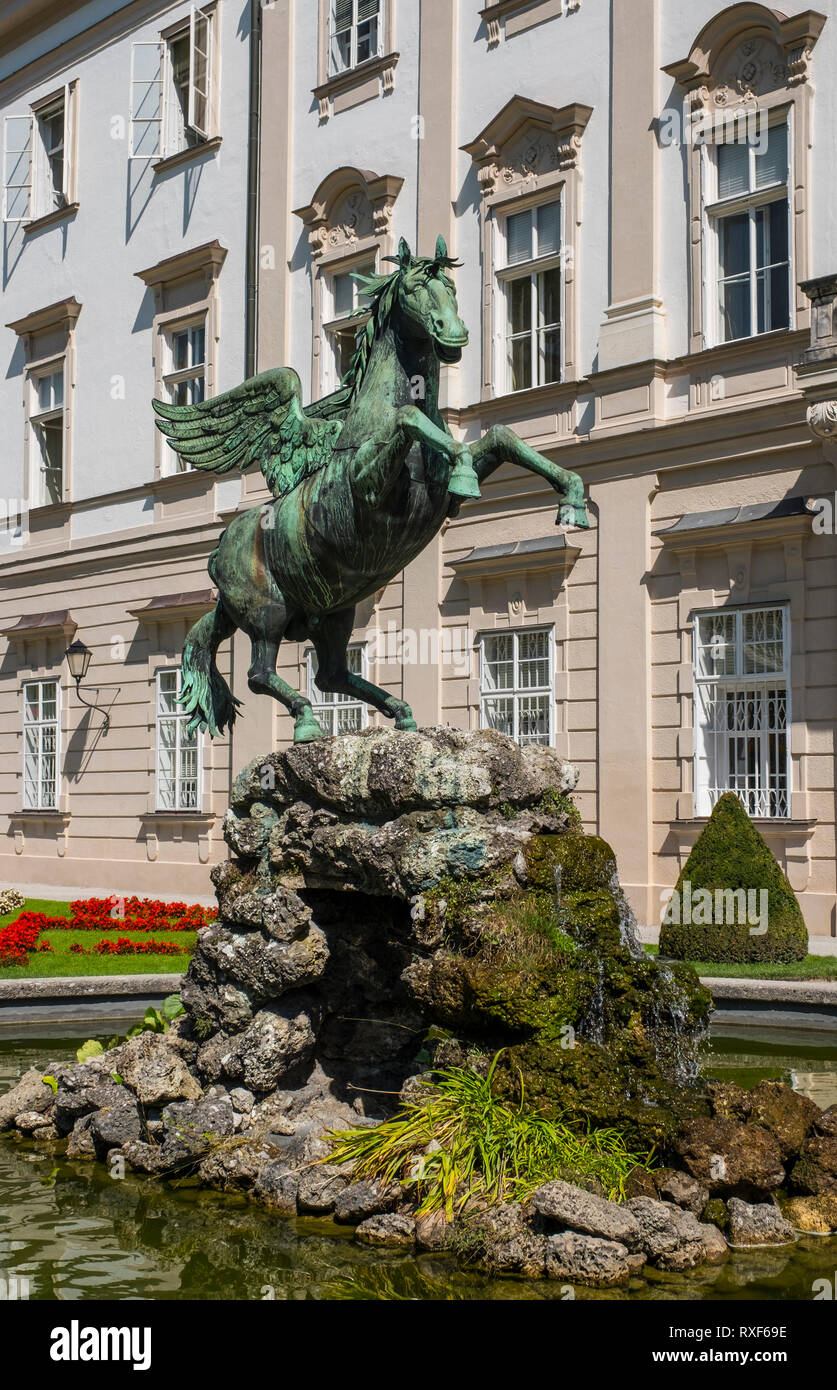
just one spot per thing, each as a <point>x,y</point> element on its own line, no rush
<point>75,1233</point>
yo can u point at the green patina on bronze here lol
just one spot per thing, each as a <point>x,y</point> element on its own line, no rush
<point>363,480</point>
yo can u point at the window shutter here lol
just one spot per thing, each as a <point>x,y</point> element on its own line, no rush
<point>68,172</point>
<point>146,101</point>
<point>772,166</point>
<point>519,237</point>
<point>733,170</point>
<point>200,41</point>
<point>366,9</point>
<point>17,168</point>
<point>549,229</point>
<point>341,13</point>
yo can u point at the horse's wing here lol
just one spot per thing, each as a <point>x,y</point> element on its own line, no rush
<point>333,407</point>
<point>261,421</point>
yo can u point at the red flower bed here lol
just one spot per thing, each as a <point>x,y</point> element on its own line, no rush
<point>133,914</point>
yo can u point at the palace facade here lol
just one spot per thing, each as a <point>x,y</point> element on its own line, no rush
<point>640,194</point>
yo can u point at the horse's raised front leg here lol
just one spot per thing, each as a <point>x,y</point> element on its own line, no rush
<point>331,640</point>
<point>501,445</point>
<point>263,680</point>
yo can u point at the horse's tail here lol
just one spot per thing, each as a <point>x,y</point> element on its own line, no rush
<point>204,692</point>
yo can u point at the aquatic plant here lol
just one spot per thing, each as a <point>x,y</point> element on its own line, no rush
<point>461,1143</point>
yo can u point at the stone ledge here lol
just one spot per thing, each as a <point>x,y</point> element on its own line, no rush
<point>796,992</point>
<point>68,987</point>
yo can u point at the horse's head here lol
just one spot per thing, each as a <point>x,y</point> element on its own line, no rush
<point>427,302</point>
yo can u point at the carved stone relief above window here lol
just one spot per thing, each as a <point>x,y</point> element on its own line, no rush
<point>505,18</point>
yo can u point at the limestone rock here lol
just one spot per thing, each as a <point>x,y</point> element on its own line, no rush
<point>815,1171</point>
<point>114,1125</point>
<point>672,1238</point>
<point>715,1248</point>
<point>815,1214</point>
<point>760,1224</point>
<point>433,1231</point>
<point>788,1115</point>
<point>563,1204</point>
<point>363,1199</point>
<point>277,1041</point>
<point>509,1242</point>
<point>394,1231</point>
<point>30,1120</point>
<point>193,1127</point>
<point>319,1188</point>
<point>580,1259</point>
<point>30,1093</point>
<point>277,1185</point>
<point>154,1072</point>
<point>681,1188</point>
<point>80,1143</point>
<point>724,1155</point>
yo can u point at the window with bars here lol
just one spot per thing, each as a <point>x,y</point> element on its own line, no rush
<point>348,308</point>
<point>750,223</point>
<point>354,33</point>
<point>46,423</point>
<point>742,709</point>
<point>516,684</point>
<point>178,780</point>
<point>338,714</point>
<point>40,745</point>
<point>531,287</point>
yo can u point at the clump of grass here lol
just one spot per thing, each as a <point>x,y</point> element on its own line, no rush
<point>462,1142</point>
<point>524,933</point>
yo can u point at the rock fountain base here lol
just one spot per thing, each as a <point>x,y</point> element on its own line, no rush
<point>397,903</point>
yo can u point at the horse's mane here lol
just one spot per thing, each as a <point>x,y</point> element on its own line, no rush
<point>383,292</point>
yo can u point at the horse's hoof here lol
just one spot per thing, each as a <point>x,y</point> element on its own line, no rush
<point>306,728</point>
<point>408,725</point>
<point>571,514</point>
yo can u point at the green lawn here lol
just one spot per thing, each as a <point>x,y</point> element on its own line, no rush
<point>811,968</point>
<point>43,965</point>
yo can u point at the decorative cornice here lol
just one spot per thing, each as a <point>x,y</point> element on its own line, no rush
<point>207,259</point>
<point>383,67</point>
<point>60,315</point>
<point>42,625</point>
<point>822,419</point>
<point>556,141</point>
<point>518,557</point>
<point>794,36</point>
<point>349,204</point>
<point>171,606</point>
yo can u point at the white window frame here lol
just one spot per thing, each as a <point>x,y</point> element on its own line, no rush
<point>715,209</point>
<point>516,692</point>
<point>335,322</point>
<point>333,69</point>
<point>761,801</point>
<point>534,267</point>
<point>42,725</point>
<point>179,719</point>
<point>328,705</point>
<point>153,99</point>
<point>36,418</point>
<point>26,174</point>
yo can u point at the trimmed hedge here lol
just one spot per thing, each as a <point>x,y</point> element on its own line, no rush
<point>730,854</point>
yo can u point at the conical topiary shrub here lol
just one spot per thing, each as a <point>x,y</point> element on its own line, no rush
<point>730,889</point>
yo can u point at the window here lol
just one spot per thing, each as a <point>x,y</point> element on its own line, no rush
<point>348,306</point>
<point>38,167</point>
<point>172,103</point>
<point>354,33</point>
<point>184,377</point>
<point>742,713</point>
<point>178,764</point>
<point>338,714</point>
<point>532,288</point>
<point>516,684</point>
<point>46,421</point>
<point>750,223</point>
<point>40,745</point>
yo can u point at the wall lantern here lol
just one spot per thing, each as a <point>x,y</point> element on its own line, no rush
<point>78,660</point>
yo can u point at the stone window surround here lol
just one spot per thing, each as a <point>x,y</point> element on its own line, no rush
<point>337,247</point>
<point>700,74</point>
<point>70,94</point>
<point>524,14</point>
<point>202,265</point>
<point>56,322</point>
<point>164,622</point>
<point>41,641</point>
<point>515,564</point>
<point>507,188</point>
<point>738,541</point>
<point>375,77</point>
